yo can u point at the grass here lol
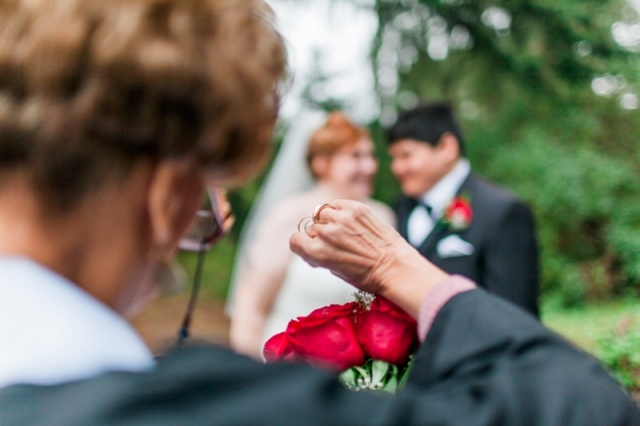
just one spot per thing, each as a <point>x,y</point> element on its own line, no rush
<point>217,269</point>
<point>584,326</point>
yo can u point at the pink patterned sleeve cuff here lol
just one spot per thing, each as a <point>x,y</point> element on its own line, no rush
<point>437,298</point>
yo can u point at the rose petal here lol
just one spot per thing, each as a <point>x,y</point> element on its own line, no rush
<point>277,347</point>
<point>328,337</point>
<point>386,332</point>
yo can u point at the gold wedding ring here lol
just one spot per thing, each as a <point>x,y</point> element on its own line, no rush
<point>318,209</point>
<point>304,223</point>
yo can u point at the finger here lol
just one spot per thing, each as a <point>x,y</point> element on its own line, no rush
<point>309,249</point>
<point>304,222</point>
<point>297,243</point>
<point>303,238</point>
<point>312,230</point>
<point>325,216</point>
<point>327,233</point>
<point>318,211</point>
<point>342,204</point>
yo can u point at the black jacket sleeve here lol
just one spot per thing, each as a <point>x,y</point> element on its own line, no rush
<point>516,371</point>
<point>485,362</point>
<point>510,264</point>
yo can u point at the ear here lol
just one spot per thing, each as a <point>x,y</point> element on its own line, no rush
<point>449,147</point>
<point>174,196</point>
<point>320,165</point>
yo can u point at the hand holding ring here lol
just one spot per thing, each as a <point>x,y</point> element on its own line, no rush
<point>304,223</point>
<point>318,210</point>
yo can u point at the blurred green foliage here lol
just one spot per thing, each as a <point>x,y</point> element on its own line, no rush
<point>620,354</point>
<point>520,73</point>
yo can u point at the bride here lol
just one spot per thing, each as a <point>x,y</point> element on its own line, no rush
<point>272,285</point>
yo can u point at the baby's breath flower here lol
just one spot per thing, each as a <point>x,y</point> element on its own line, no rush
<point>363,299</point>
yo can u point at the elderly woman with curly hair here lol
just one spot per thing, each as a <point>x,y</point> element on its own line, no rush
<point>114,117</point>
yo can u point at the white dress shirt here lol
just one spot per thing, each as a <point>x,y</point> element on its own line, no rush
<point>51,331</point>
<point>420,223</point>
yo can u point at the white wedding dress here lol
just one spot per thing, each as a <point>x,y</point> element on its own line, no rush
<point>303,290</point>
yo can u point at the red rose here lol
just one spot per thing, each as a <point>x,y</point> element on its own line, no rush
<point>327,336</point>
<point>386,332</point>
<point>459,213</point>
<point>277,348</point>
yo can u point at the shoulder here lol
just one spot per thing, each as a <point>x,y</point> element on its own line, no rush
<point>481,187</point>
<point>490,200</point>
<point>201,383</point>
<point>285,215</point>
<point>382,210</point>
<point>292,205</point>
<point>491,193</point>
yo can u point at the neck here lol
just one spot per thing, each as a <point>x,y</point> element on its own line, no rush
<point>450,168</point>
<point>446,170</point>
<point>25,228</point>
<point>85,245</point>
<point>334,192</point>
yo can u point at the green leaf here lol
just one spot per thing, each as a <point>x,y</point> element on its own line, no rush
<point>379,370</point>
<point>392,385</point>
<point>348,377</point>
<point>362,371</point>
<point>407,371</point>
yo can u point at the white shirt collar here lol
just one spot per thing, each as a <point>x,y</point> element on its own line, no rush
<point>51,331</point>
<point>443,192</point>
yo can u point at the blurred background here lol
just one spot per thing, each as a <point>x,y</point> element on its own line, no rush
<point>548,96</point>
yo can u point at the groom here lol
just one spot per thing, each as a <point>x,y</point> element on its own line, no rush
<point>458,221</point>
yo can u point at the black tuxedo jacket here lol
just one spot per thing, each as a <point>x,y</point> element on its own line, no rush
<point>485,362</point>
<point>502,232</point>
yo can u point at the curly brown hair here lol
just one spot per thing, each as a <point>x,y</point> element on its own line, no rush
<point>87,87</point>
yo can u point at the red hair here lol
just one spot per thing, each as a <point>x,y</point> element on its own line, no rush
<point>336,133</point>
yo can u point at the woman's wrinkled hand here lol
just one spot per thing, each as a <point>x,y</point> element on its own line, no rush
<point>351,241</point>
<point>362,249</point>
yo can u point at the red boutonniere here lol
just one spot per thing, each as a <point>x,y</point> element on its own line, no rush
<point>458,214</point>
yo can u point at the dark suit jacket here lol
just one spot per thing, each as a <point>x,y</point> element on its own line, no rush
<point>502,232</point>
<point>484,362</point>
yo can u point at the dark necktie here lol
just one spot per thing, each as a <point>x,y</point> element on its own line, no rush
<point>415,203</point>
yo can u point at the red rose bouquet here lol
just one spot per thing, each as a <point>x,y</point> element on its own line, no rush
<point>370,341</point>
